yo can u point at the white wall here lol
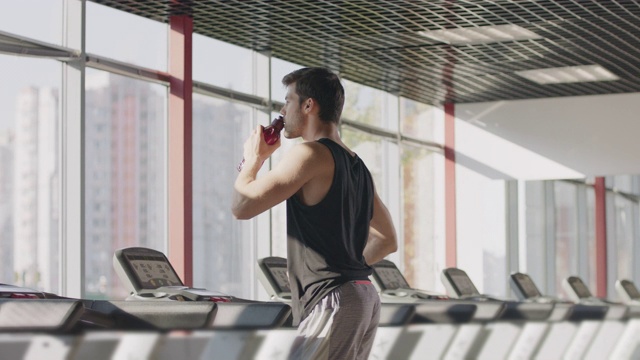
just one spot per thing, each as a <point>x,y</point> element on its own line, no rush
<point>553,138</point>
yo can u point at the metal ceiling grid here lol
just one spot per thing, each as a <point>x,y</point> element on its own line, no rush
<point>376,42</point>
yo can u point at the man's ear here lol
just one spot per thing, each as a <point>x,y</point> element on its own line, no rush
<point>308,105</point>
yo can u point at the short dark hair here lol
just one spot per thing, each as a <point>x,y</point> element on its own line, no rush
<point>321,85</point>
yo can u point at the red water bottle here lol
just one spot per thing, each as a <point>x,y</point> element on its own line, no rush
<point>271,134</point>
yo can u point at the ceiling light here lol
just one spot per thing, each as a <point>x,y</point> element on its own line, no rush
<point>480,35</point>
<point>568,74</point>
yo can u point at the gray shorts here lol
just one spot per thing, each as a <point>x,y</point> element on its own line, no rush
<point>341,326</point>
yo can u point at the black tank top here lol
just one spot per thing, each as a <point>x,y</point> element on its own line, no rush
<point>325,241</point>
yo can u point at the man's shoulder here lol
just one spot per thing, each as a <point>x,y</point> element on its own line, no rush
<point>312,150</point>
<point>310,158</point>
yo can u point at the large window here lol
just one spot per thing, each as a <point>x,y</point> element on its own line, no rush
<point>280,68</point>
<point>224,65</point>
<point>421,121</point>
<point>558,234</point>
<point>125,174</point>
<point>534,234</point>
<point>481,224</point>
<point>566,232</point>
<point>422,187</point>
<point>118,35</point>
<point>223,247</point>
<point>421,227</point>
<point>623,230</point>
<point>369,106</point>
<point>29,172</point>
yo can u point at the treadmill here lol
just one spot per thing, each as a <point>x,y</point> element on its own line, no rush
<point>595,339</point>
<point>36,324</point>
<point>628,347</point>
<point>497,338</point>
<point>157,291</point>
<point>220,325</point>
<point>394,288</point>
<point>627,291</point>
<point>580,294</point>
<point>566,321</point>
<point>460,286</point>
<point>274,277</point>
<point>417,321</point>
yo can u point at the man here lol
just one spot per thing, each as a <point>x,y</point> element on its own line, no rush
<point>336,223</point>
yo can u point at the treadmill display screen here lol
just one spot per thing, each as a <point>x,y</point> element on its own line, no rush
<point>526,285</point>
<point>463,284</point>
<point>391,278</point>
<point>631,290</point>
<point>152,271</point>
<point>579,288</point>
<point>281,276</point>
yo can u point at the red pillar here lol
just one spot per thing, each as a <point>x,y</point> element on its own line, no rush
<point>180,203</point>
<point>601,236</point>
<point>451,244</point>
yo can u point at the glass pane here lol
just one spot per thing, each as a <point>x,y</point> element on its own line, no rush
<point>624,234</point>
<point>222,64</point>
<point>118,35</point>
<point>628,184</point>
<point>566,233</point>
<point>366,105</point>
<point>223,248</point>
<point>420,202</point>
<point>536,235</point>
<point>419,120</point>
<point>36,19</point>
<point>125,172</point>
<point>29,172</point>
<point>280,68</point>
<point>481,230</point>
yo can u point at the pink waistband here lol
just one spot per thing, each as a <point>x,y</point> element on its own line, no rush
<point>361,282</point>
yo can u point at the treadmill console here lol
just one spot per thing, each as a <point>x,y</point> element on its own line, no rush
<point>627,291</point>
<point>393,286</point>
<point>526,290</point>
<point>577,289</point>
<point>580,294</point>
<point>144,269</point>
<point>388,277</point>
<point>274,276</point>
<point>524,287</point>
<point>148,275</point>
<point>458,284</point>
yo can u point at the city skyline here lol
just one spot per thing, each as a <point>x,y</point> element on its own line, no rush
<point>124,184</point>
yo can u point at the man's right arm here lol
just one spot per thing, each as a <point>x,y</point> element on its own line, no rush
<point>382,234</point>
<point>253,195</point>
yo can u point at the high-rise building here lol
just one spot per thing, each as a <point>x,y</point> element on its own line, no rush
<point>124,174</point>
<point>214,230</point>
<point>6,206</point>
<point>35,189</point>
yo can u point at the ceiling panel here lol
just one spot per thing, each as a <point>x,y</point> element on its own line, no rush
<point>376,42</point>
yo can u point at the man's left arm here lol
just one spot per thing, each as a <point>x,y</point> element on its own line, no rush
<point>382,234</point>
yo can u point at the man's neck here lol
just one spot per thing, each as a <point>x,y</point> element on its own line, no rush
<point>327,131</point>
<point>322,130</point>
